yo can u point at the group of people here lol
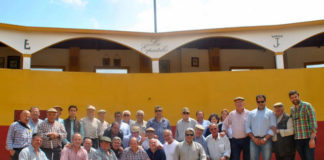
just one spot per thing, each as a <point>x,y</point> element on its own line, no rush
<point>219,138</point>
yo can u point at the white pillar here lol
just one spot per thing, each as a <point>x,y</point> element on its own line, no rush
<point>155,66</point>
<point>26,61</point>
<point>280,60</point>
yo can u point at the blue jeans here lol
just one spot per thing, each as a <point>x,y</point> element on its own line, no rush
<point>305,153</point>
<point>265,149</point>
<point>238,145</point>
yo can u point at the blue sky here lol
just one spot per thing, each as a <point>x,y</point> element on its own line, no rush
<point>173,15</point>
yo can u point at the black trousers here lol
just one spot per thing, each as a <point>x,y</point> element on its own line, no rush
<point>52,154</point>
<point>16,155</point>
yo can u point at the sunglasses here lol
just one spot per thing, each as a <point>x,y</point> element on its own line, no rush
<point>190,135</point>
<point>185,112</point>
<point>260,101</point>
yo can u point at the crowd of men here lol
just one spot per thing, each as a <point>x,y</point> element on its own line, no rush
<point>240,131</point>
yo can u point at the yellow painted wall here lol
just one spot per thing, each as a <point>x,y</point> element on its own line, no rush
<point>208,91</point>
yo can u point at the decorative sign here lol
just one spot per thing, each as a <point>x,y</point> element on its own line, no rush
<point>277,37</point>
<point>26,44</point>
<point>154,46</point>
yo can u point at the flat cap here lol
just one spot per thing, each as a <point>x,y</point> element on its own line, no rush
<point>52,110</point>
<point>135,129</point>
<point>278,104</point>
<point>199,127</point>
<point>91,107</point>
<point>238,98</point>
<point>185,109</point>
<point>56,107</point>
<point>102,111</point>
<point>106,139</point>
<point>150,129</point>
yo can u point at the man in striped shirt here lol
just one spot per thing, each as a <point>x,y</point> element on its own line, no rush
<point>19,135</point>
<point>305,126</point>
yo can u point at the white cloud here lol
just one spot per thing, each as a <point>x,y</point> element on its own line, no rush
<point>199,14</point>
<point>76,3</point>
<point>95,23</point>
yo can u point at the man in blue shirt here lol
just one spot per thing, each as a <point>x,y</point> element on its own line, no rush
<point>34,120</point>
<point>259,126</point>
<point>33,152</point>
<point>159,123</point>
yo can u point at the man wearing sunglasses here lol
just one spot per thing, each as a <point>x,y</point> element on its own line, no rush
<point>259,126</point>
<point>183,124</point>
<point>188,149</point>
<point>159,123</point>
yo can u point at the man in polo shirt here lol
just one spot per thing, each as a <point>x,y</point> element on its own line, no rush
<point>305,126</point>
<point>259,126</point>
<point>159,123</point>
<point>91,126</point>
<point>188,149</point>
<point>183,124</point>
<point>19,135</point>
<point>52,133</point>
<point>236,121</point>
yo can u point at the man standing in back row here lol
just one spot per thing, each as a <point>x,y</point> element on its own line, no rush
<point>305,126</point>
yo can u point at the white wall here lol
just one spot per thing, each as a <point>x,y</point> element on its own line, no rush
<point>89,58</point>
<point>296,57</point>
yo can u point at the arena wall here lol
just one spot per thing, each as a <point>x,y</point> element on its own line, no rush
<point>207,91</point>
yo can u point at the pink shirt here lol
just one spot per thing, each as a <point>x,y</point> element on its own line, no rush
<point>236,121</point>
<point>70,154</point>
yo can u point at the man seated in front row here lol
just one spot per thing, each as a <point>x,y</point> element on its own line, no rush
<point>75,151</point>
<point>33,151</point>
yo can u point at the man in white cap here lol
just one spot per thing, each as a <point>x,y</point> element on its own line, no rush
<point>183,124</point>
<point>149,135</point>
<point>103,124</point>
<point>283,140</point>
<point>134,133</point>
<point>91,126</point>
<point>52,133</point>
<point>199,130</point>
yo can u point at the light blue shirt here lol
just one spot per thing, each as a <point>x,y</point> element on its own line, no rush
<point>126,140</point>
<point>205,124</point>
<point>29,153</point>
<point>202,140</point>
<point>259,122</point>
<point>34,126</point>
<point>124,127</point>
